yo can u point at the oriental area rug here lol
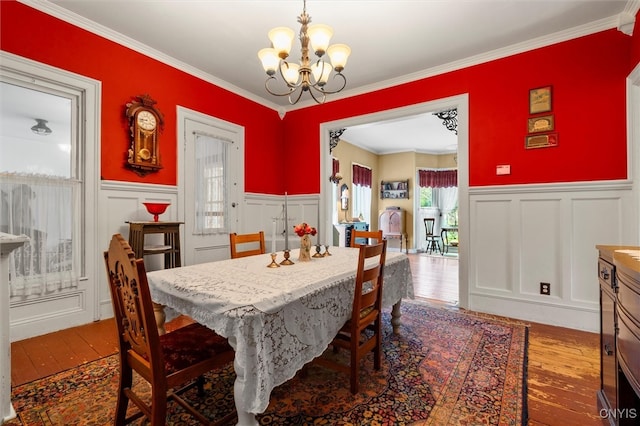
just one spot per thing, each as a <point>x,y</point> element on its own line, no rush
<point>445,367</point>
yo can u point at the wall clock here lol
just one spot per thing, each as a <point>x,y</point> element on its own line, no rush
<point>145,124</point>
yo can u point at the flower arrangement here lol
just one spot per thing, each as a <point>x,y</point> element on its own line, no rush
<point>303,229</point>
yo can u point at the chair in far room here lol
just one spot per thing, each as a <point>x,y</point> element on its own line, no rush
<point>433,241</point>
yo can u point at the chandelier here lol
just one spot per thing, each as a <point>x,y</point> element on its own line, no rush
<point>305,76</point>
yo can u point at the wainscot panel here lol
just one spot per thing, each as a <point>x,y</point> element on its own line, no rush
<point>525,235</point>
<point>120,202</point>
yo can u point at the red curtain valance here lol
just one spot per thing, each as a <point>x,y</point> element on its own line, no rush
<point>361,175</point>
<point>438,178</point>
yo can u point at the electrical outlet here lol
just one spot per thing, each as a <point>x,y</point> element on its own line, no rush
<point>545,288</point>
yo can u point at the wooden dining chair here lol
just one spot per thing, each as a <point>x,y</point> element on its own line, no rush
<point>433,241</point>
<point>168,361</point>
<point>369,235</point>
<point>239,244</point>
<point>366,314</point>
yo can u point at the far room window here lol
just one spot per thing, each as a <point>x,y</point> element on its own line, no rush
<point>362,177</point>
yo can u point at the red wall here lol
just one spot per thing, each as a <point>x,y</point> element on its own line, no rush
<point>125,74</point>
<point>588,78</point>
<point>587,75</point>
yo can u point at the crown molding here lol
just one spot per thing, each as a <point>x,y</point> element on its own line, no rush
<point>617,21</point>
<point>547,40</point>
<point>109,34</point>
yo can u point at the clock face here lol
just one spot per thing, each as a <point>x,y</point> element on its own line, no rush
<point>146,120</point>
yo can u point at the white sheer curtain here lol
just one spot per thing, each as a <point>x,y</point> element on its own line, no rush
<point>210,185</point>
<point>446,199</point>
<point>362,202</point>
<point>42,208</point>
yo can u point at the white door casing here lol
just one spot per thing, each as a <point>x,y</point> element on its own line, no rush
<point>210,247</point>
<point>461,102</point>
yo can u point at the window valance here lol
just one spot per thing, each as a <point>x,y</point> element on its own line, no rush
<point>361,175</point>
<point>438,178</point>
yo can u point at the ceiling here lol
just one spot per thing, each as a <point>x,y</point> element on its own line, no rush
<point>392,41</point>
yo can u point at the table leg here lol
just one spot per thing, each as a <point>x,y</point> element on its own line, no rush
<point>395,317</point>
<point>244,418</point>
<point>161,318</point>
<point>444,236</point>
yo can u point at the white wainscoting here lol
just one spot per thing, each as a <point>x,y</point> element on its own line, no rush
<point>260,210</point>
<point>523,235</point>
<point>122,201</point>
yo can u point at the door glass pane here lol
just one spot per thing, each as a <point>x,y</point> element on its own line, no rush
<point>211,183</point>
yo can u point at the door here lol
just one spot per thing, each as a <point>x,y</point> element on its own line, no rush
<point>213,183</point>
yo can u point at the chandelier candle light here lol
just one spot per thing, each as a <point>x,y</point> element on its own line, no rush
<point>305,76</point>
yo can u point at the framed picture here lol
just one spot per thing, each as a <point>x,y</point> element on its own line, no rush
<point>540,124</point>
<point>541,141</point>
<point>540,100</point>
<point>394,189</point>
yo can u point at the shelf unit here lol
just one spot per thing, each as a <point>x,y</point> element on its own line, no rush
<point>170,248</point>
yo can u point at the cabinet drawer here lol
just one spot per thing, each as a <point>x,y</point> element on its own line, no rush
<point>628,346</point>
<point>629,299</point>
<point>606,272</point>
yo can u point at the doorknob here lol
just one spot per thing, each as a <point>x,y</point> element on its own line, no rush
<point>233,204</point>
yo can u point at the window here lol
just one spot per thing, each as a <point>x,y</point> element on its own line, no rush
<point>426,196</point>
<point>41,187</point>
<point>210,182</point>
<point>361,192</point>
<point>362,202</point>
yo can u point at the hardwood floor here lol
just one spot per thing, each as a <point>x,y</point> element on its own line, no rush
<point>563,367</point>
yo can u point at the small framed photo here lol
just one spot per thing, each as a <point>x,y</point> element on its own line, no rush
<point>541,141</point>
<point>540,100</point>
<point>540,124</point>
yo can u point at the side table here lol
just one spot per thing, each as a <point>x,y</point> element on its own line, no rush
<point>171,247</point>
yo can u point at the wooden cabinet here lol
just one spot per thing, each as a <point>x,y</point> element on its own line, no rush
<point>392,224</point>
<point>607,399</point>
<point>619,281</point>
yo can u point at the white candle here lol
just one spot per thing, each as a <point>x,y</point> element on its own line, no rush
<point>318,241</point>
<point>273,237</point>
<point>286,224</point>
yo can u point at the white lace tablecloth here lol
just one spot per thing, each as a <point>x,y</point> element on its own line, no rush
<point>277,319</point>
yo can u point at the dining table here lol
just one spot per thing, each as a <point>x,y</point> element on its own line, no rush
<point>444,235</point>
<point>277,319</point>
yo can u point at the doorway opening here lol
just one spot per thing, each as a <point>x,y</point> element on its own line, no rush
<point>328,194</point>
